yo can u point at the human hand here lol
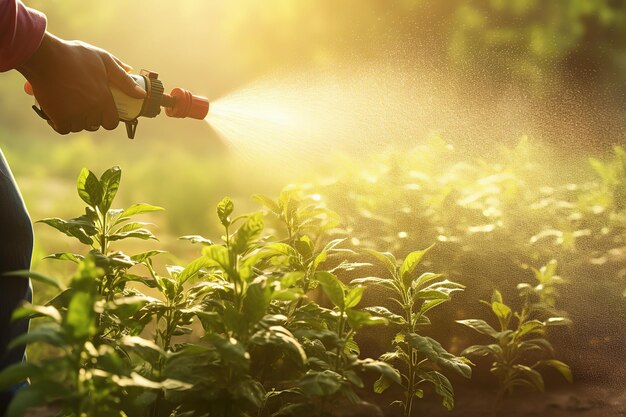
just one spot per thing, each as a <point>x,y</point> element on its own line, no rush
<point>70,80</point>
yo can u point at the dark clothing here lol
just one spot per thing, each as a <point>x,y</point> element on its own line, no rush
<point>16,246</point>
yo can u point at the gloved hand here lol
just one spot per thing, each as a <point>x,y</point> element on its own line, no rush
<point>70,80</point>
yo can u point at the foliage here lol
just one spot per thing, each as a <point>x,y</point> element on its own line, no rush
<point>420,356</point>
<point>268,345</point>
<point>521,349</point>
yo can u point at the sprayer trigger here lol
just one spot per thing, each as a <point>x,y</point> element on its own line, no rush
<point>131,128</point>
<point>40,113</point>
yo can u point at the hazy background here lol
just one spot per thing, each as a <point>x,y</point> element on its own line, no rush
<point>368,74</point>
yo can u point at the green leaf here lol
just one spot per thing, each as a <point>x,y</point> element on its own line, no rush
<point>410,262</point>
<point>66,256</point>
<point>110,181</point>
<point>320,384</point>
<point>530,327</point>
<point>501,310</point>
<point>143,234</point>
<point>80,316</point>
<point>194,267</point>
<point>267,202</point>
<point>359,318</point>
<point>333,288</point>
<point>197,239</point>
<point>248,233</point>
<point>80,229</point>
<point>224,210</point>
<point>142,257</point>
<point>35,276</point>
<point>480,326</point>
<point>531,376</point>
<point>433,350</point>
<point>562,367</point>
<point>218,256</point>
<point>385,313</point>
<point>139,209</point>
<point>89,188</point>
<point>386,258</point>
<point>353,298</point>
<point>29,310</point>
<point>16,373</point>
<point>42,334</point>
<point>442,385</point>
<point>391,373</point>
<point>256,301</point>
<point>24,399</point>
<point>381,384</point>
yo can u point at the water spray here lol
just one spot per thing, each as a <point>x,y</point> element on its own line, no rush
<point>179,103</point>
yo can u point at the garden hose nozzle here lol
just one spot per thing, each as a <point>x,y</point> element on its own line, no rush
<point>179,103</point>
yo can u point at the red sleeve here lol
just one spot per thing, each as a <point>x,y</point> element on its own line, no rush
<point>21,31</point>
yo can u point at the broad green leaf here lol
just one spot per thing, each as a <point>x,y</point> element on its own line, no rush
<point>531,375</point>
<point>410,262</point>
<point>80,316</point>
<point>194,267</point>
<point>24,399</point>
<point>423,279</point>
<point>219,255</point>
<point>139,209</point>
<point>256,301</point>
<point>30,310</point>
<point>110,182</point>
<point>280,338</point>
<point>383,368</point>
<point>248,233</point>
<point>433,350</point>
<point>333,288</point>
<point>385,313</point>
<point>354,295</point>
<point>480,350</point>
<point>359,318</point>
<point>16,373</point>
<point>384,282</point>
<point>496,297</point>
<point>143,234</point>
<point>142,257</point>
<point>529,328</point>
<point>81,230</point>
<point>480,326</point>
<point>386,258</point>
<point>320,384</point>
<point>89,188</point>
<point>501,310</point>
<point>224,210</point>
<point>442,385</point>
<point>267,202</point>
<point>41,334</point>
<point>66,256</point>
<point>381,384</point>
<point>562,367</point>
<point>35,276</point>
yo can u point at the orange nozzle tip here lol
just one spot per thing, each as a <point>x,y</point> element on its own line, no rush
<point>188,105</point>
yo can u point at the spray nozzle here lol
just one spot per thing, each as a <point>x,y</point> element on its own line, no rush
<point>179,103</point>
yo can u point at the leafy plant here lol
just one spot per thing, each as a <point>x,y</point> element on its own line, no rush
<point>520,349</point>
<point>420,358</point>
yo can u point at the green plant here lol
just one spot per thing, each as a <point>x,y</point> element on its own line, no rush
<point>520,347</point>
<point>419,357</point>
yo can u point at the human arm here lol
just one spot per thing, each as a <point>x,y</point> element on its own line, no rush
<point>70,79</point>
